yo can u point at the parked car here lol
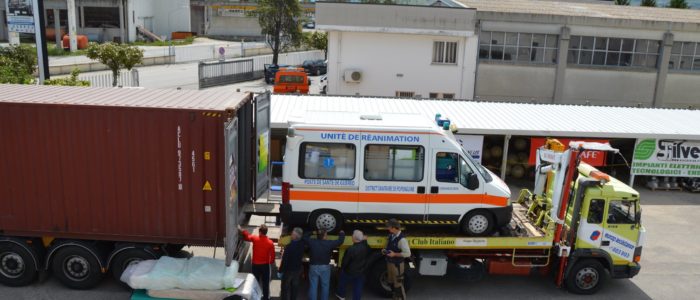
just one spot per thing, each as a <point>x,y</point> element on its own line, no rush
<point>291,81</point>
<point>315,67</point>
<point>271,71</point>
<point>310,25</point>
<point>323,83</point>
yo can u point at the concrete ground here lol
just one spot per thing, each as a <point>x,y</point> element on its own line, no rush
<point>670,268</point>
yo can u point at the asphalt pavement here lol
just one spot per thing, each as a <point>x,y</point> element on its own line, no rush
<point>670,268</point>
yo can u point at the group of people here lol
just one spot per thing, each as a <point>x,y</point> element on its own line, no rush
<point>353,267</point>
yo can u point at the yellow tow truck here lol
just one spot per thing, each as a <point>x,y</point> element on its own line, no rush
<point>578,224</point>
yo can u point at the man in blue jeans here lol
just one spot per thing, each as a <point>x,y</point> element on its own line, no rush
<point>353,267</point>
<point>320,251</point>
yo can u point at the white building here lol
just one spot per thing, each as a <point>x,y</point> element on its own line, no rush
<point>390,50</point>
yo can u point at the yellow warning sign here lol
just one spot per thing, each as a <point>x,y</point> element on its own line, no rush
<point>207,186</point>
<point>207,155</point>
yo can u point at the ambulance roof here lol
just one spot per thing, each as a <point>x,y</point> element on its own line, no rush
<point>361,120</point>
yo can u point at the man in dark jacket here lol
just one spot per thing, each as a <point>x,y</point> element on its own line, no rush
<point>396,252</point>
<point>353,266</point>
<point>291,265</point>
<point>320,251</point>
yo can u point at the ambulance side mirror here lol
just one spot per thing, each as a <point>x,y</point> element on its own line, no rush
<point>472,181</point>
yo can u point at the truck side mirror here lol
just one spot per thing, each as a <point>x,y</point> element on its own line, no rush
<point>472,181</point>
<point>638,216</point>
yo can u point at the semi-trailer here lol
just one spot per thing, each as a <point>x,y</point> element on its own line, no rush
<point>94,179</point>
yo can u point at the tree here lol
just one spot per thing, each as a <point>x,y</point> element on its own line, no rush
<point>317,40</point>
<point>650,3</point>
<point>678,4</point>
<point>622,2</point>
<point>279,20</point>
<point>115,57</point>
<point>69,81</point>
<point>17,64</point>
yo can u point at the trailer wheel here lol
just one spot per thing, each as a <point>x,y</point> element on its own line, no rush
<point>17,265</point>
<point>126,258</point>
<point>379,281</point>
<point>328,220</point>
<point>76,268</point>
<point>477,223</point>
<point>586,277</point>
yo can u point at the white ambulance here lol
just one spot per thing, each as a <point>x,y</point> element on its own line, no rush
<point>343,168</point>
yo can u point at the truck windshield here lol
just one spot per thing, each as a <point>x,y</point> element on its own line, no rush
<point>484,173</point>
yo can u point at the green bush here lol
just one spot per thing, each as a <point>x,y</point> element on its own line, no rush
<point>68,81</point>
<point>17,64</point>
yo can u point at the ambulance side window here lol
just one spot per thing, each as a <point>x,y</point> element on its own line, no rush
<point>394,163</point>
<point>446,167</point>
<point>327,161</point>
<point>595,211</point>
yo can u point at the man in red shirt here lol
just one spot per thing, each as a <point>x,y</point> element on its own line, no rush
<point>263,257</point>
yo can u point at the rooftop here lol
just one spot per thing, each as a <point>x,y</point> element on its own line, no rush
<point>587,10</point>
<point>472,117</point>
<point>123,97</point>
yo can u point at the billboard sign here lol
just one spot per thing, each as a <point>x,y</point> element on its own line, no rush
<point>473,144</point>
<point>593,158</point>
<point>20,16</point>
<point>656,157</point>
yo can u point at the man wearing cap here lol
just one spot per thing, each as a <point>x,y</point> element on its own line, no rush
<point>395,252</point>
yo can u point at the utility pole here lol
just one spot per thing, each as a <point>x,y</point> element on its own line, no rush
<point>40,37</point>
<point>72,27</point>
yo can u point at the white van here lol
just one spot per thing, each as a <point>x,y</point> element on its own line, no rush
<point>367,168</point>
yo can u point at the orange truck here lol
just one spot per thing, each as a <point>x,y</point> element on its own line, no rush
<point>291,81</point>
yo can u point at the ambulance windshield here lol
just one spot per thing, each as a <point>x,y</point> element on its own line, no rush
<point>484,173</point>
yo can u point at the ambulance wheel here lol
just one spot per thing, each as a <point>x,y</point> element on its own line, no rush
<point>329,220</point>
<point>17,265</point>
<point>378,279</point>
<point>478,223</point>
<point>586,277</point>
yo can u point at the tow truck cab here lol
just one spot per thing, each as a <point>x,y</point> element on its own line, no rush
<point>354,168</point>
<point>609,228</point>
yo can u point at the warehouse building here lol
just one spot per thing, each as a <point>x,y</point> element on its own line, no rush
<point>526,51</point>
<point>112,20</point>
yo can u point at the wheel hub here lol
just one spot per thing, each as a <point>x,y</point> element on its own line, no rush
<point>11,265</point>
<point>326,221</point>
<point>76,268</point>
<point>478,224</point>
<point>587,278</point>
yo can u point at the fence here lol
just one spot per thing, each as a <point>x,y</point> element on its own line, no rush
<point>125,79</point>
<point>213,73</point>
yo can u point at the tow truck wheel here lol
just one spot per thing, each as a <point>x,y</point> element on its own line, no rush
<point>17,265</point>
<point>328,220</point>
<point>477,223</point>
<point>379,280</point>
<point>586,277</point>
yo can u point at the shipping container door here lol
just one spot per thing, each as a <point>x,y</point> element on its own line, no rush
<point>231,161</point>
<point>262,124</point>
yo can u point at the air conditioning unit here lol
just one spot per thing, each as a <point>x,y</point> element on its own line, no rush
<point>353,75</point>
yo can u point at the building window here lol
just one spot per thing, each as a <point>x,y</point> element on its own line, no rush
<point>327,161</point>
<point>445,52</point>
<point>535,48</point>
<point>441,96</point>
<point>685,56</point>
<point>604,51</point>
<point>101,17</point>
<point>394,163</point>
<point>401,94</point>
